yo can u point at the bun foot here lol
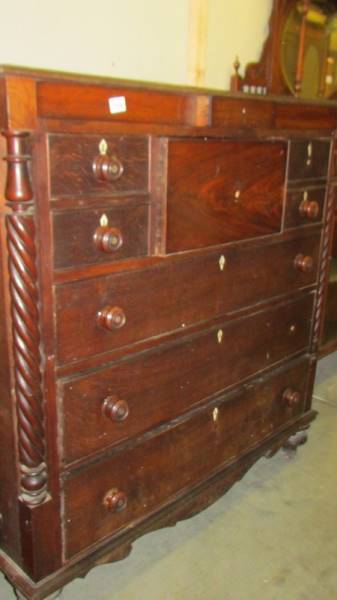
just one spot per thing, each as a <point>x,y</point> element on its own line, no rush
<point>294,442</point>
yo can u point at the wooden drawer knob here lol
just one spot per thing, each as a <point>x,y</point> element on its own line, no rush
<point>115,409</point>
<point>115,500</point>
<point>108,239</point>
<point>111,317</point>
<point>309,209</point>
<point>291,397</point>
<point>304,263</point>
<point>107,168</point>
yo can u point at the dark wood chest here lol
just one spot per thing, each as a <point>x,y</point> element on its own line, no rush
<point>163,268</point>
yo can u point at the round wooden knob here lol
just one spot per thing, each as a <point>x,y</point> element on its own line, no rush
<point>115,500</point>
<point>304,263</point>
<point>111,317</point>
<point>115,409</point>
<point>108,239</point>
<point>291,397</point>
<point>107,168</point>
<point>309,209</point>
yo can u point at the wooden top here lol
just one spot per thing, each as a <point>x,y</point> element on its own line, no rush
<point>89,79</point>
<point>29,96</point>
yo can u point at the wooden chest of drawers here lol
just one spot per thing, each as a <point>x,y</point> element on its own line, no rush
<point>162,273</point>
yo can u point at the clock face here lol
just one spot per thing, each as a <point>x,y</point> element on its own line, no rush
<point>309,49</point>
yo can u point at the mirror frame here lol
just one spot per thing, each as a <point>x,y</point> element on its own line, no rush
<point>266,76</point>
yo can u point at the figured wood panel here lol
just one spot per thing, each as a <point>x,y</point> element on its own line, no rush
<point>154,472</point>
<point>170,379</point>
<point>174,295</point>
<point>71,164</point>
<point>219,191</point>
<point>74,232</point>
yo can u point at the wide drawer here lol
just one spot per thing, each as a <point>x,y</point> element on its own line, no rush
<point>134,395</point>
<point>91,236</point>
<point>105,497</point>
<point>223,190</point>
<point>113,311</point>
<point>308,159</point>
<point>93,165</point>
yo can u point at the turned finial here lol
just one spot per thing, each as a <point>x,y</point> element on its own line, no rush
<point>236,78</point>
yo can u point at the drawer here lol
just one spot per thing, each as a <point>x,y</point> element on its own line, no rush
<point>220,191</point>
<point>304,207</point>
<point>308,159</point>
<point>229,112</point>
<point>105,497</point>
<point>93,165</point>
<point>89,236</point>
<point>134,395</point>
<point>123,308</point>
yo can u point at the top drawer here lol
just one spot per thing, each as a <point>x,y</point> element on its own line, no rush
<point>93,165</point>
<point>308,159</point>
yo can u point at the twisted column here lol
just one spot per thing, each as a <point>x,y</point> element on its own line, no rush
<point>25,323</point>
<point>324,269</point>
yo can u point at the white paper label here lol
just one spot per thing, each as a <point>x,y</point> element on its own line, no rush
<point>117,104</point>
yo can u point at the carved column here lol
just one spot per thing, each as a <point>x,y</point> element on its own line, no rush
<point>324,270</point>
<point>25,322</point>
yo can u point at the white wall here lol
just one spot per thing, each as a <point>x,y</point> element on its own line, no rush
<point>236,28</point>
<point>137,39</point>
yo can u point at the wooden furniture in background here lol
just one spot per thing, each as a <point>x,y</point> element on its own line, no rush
<point>163,266</point>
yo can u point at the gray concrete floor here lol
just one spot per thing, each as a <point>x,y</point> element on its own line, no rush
<point>272,536</point>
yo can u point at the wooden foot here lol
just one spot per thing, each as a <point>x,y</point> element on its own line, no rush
<point>295,441</point>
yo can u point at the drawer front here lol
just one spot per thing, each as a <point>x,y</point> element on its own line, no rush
<point>93,165</point>
<point>247,113</point>
<point>113,311</point>
<point>220,191</point>
<point>304,207</point>
<point>112,494</point>
<point>308,159</point>
<point>159,385</point>
<point>99,235</point>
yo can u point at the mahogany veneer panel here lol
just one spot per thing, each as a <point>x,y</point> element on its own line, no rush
<point>175,295</point>
<point>220,191</point>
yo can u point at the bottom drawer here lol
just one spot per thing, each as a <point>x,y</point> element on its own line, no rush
<point>132,483</point>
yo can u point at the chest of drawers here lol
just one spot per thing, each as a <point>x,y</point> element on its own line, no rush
<point>163,263</point>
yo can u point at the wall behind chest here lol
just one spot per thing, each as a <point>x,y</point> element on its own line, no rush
<point>147,40</point>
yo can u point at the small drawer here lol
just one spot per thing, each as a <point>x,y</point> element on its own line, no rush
<point>92,165</point>
<point>123,308</point>
<point>108,406</point>
<point>229,112</point>
<point>99,235</point>
<point>106,497</point>
<point>304,207</point>
<point>308,159</point>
